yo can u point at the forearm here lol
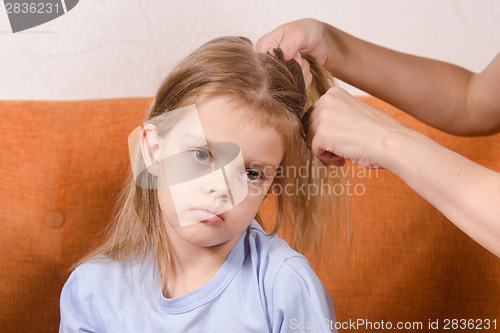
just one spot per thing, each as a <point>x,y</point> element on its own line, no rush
<point>434,92</point>
<point>465,192</point>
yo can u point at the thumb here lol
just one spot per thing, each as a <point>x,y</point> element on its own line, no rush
<point>331,159</point>
<point>270,40</point>
<point>287,38</point>
<point>292,41</point>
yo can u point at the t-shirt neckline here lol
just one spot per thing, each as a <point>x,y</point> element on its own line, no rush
<point>213,288</point>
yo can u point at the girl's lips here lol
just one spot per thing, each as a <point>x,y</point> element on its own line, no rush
<point>208,216</point>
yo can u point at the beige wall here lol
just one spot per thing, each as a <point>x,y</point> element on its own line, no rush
<point>120,48</point>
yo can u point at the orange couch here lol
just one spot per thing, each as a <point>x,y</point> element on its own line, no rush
<point>61,167</point>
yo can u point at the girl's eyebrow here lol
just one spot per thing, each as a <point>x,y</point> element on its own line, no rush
<point>262,165</point>
<point>194,139</point>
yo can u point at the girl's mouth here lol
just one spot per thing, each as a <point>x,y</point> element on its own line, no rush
<point>207,215</point>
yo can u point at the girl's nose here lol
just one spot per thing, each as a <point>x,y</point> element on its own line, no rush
<point>219,190</point>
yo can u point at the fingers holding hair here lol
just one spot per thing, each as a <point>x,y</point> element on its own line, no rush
<point>287,37</point>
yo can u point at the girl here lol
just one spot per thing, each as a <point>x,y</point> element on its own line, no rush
<point>185,253</point>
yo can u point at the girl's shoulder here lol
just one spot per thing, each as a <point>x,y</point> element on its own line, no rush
<point>101,290</point>
<point>271,246</point>
<point>273,254</point>
<point>289,285</point>
<point>103,267</point>
<point>106,275</point>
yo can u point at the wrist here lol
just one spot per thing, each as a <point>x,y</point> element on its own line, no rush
<point>337,51</point>
<point>399,148</point>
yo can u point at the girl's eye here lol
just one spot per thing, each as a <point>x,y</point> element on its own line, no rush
<point>200,155</point>
<point>253,175</point>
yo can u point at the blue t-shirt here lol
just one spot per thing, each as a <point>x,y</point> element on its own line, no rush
<point>263,286</point>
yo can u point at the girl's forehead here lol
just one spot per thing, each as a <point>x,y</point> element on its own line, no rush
<point>229,115</point>
<point>221,120</point>
<point>248,113</point>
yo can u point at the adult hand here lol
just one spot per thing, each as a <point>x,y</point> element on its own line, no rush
<point>305,36</point>
<point>339,126</point>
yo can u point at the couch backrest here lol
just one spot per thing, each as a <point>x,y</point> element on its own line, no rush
<point>62,165</point>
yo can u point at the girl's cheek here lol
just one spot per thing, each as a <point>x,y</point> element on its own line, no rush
<point>259,189</point>
<point>256,190</point>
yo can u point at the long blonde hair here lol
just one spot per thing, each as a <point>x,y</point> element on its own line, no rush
<point>229,66</point>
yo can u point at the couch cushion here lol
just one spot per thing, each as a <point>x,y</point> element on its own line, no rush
<point>62,165</point>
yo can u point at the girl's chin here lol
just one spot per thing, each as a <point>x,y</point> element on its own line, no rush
<point>209,238</point>
<point>195,234</point>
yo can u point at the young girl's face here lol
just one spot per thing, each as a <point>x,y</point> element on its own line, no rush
<point>239,156</point>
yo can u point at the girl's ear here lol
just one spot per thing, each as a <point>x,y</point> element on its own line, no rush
<point>150,148</point>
